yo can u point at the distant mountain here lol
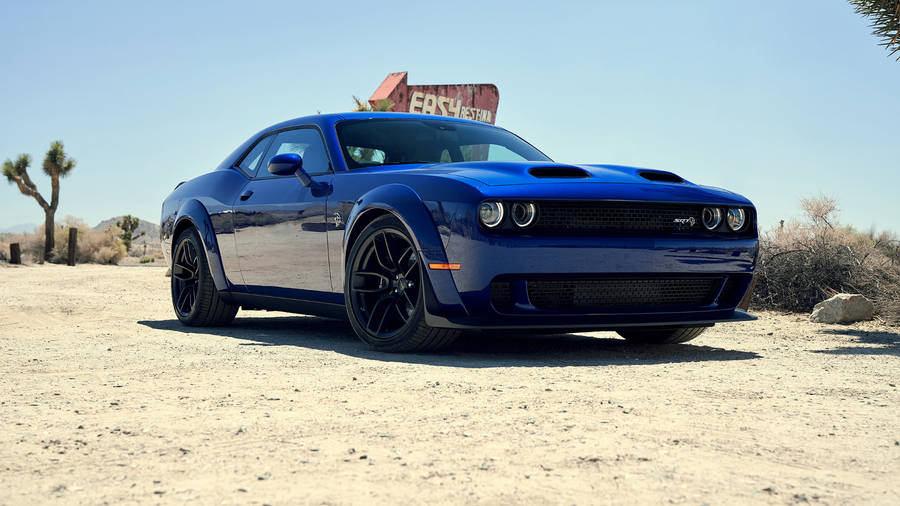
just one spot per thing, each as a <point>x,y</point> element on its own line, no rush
<point>151,230</point>
<point>19,229</point>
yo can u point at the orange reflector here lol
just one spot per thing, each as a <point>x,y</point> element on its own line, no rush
<point>444,267</point>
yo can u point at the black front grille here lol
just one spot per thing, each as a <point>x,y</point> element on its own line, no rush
<point>501,294</point>
<point>562,217</point>
<point>603,294</point>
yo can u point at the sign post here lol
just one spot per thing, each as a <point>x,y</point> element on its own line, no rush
<point>15,254</point>
<point>73,245</point>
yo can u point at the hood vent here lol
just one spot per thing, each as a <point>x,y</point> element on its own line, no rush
<point>660,176</point>
<point>559,172</point>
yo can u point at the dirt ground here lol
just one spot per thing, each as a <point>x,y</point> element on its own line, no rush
<point>106,398</point>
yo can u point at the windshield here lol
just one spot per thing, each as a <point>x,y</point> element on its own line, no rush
<point>370,142</point>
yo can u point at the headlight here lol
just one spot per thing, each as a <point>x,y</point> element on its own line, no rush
<point>712,218</point>
<point>490,213</point>
<point>736,219</point>
<point>523,213</point>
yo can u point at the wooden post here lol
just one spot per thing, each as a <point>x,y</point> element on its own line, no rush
<point>73,243</point>
<point>15,254</point>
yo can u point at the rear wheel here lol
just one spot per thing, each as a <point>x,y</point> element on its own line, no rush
<point>385,292</point>
<point>661,336</point>
<point>194,295</point>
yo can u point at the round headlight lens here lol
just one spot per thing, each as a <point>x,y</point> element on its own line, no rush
<point>490,213</point>
<point>712,218</point>
<point>523,213</point>
<point>736,218</point>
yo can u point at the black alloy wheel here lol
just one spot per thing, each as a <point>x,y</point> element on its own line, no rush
<point>385,283</point>
<point>194,296</point>
<point>185,278</point>
<point>385,292</point>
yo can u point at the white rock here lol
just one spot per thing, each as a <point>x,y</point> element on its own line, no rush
<point>843,308</point>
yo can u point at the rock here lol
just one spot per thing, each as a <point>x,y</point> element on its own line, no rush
<point>843,308</point>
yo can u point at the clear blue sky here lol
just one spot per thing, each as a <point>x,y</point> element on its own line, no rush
<point>772,99</point>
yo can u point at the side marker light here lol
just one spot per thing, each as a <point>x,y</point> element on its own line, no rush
<point>444,267</point>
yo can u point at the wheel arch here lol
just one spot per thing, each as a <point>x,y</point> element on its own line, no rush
<point>193,214</point>
<point>442,298</point>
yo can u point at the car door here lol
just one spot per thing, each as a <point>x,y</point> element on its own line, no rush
<point>280,225</point>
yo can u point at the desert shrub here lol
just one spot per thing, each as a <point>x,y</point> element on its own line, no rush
<point>33,245</point>
<point>804,262</point>
<point>25,241</point>
<point>147,260</point>
<point>109,254</point>
<point>102,247</point>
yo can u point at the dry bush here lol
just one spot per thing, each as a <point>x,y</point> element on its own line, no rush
<point>804,262</point>
<point>102,247</point>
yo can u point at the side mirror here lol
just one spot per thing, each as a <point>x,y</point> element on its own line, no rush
<point>287,164</point>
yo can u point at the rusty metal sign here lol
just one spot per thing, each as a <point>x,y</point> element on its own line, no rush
<point>470,101</point>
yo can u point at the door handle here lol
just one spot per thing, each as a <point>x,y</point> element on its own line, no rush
<point>246,195</point>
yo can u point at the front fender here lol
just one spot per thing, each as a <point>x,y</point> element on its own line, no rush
<point>442,297</point>
<point>192,213</point>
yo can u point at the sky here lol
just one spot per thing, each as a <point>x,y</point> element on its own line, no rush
<point>771,99</point>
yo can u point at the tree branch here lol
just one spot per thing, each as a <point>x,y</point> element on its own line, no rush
<point>27,188</point>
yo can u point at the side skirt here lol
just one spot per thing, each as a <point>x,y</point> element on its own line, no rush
<point>272,303</point>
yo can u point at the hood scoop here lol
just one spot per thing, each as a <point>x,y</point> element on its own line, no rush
<point>660,176</point>
<point>559,172</point>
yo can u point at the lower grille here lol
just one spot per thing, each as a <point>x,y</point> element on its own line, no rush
<point>501,294</point>
<point>643,294</point>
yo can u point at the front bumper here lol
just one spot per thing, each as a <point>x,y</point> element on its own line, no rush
<point>586,323</point>
<point>485,259</point>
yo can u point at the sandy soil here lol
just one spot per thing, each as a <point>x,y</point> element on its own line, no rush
<point>106,398</point>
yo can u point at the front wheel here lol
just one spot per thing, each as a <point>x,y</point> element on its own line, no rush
<point>385,292</point>
<point>661,336</point>
<point>194,296</point>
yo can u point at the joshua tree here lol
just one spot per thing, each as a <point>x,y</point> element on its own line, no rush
<point>56,165</point>
<point>129,224</point>
<point>885,16</point>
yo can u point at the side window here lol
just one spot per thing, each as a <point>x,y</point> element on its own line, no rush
<point>306,142</point>
<point>251,163</point>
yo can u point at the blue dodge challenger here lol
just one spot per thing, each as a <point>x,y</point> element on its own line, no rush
<point>416,228</point>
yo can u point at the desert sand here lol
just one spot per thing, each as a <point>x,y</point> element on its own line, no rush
<point>106,398</point>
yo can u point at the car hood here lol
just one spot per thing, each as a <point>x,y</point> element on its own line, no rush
<point>557,180</point>
<point>519,173</point>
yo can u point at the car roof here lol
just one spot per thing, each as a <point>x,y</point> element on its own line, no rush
<point>323,119</point>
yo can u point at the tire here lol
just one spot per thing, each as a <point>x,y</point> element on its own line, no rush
<point>385,292</point>
<point>661,336</point>
<point>194,296</point>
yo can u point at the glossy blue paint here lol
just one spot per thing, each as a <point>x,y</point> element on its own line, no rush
<point>275,237</point>
<point>285,164</point>
<point>206,202</point>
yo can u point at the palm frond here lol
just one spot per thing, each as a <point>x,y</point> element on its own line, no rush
<point>885,17</point>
